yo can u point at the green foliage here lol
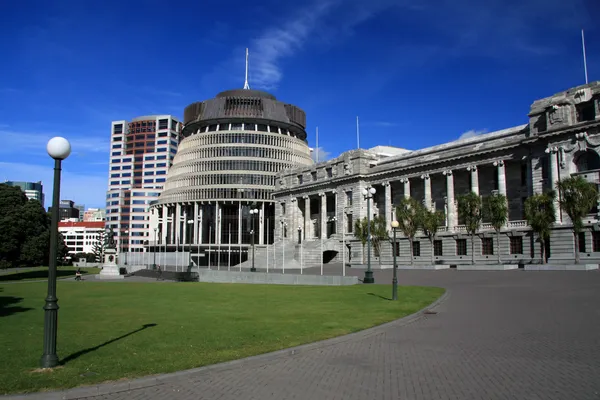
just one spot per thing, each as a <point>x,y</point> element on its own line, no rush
<point>577,197</point>
<point>539,213</point>
<point>99,246</point>
<point>25,235</point>
<point>361,232</point>
<point>89,257</point>
<point>495,210</point>
<point>470,210</point>
<point>379,233</point>
<point>223,329</point>
<point>408,212</point>
<point>430,221</point>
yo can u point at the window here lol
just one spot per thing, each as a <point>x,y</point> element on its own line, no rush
<point>487,246</point>
<point>149,158</point>
<point>523,174</point>
<point>161,172</point>
<point>116,153</point>
<point>282,208</point>
<point>274,129</point>
<point>160,180</point>
<point>126,174</point>
<point>118,128</point>
<point>516,245</point>
<point>437,248</point>
<point>237,127</point>
<point>313,174</point>
<point>596,241</point>
<point>300,179</point>
<point>582,242</point>
<point>148,173</point>
<point>163,124</point>
<point>115,175</point>
<point>149,166</point>
<point>416,248</point>
<point>585,111</point>
<point>148,180</point>
<point>350,225</point>
<point>349,198</point>
<point>161,165</point>
<point>261,128</point>
<point>162,142</point>
<point>461,247</point>
<point>116,146</point>
<point>329,172</point>
<point>250,127</point>
<point>115,168</point>
<point>161,150</point>
<point>545,167</point>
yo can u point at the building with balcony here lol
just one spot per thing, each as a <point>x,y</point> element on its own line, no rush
<point>562,139</point>
<point>142,150</point>
<point>33,190</point>
<point>233,147</point>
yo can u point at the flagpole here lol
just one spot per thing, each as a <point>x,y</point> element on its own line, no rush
<point>357,134</point>
<point>229,252</point>
<point>177,254</point>
<point>268,245</point>
<point>584,57</point>
<point>317,147</point>
<point>209,242</point>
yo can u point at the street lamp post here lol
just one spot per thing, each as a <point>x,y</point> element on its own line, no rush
<point>190,222</point>
<point>395,226</point>
<point>368,194</point>
<point>59,149</point>
<point>154,263</point>
<point>253,212</point>
<point>123,247</point>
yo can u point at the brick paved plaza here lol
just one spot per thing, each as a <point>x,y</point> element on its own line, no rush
<point>498,335</point>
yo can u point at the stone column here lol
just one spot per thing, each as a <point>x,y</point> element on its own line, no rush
<point>529,176</point>
<point>200,215</point>
<point>217,223</point>
<point>552,154</point>
<point>195,235</point>
<point>306,215</point>
<point>173,226</point>
<point>261,224</point>
<point>240,222</point>
<point>388,205</point>
<point>323,215</point>
<point>427,183</point>
<point>501,176</point>
<point>451,213</point>
<point>336,211</point>
<point>406,183</point>
<point>310,233</point>
<point>474,178</point>
<point>185,224</point>
<point>164,219</point>
<point>177,221</point>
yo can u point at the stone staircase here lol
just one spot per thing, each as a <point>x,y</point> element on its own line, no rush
<point>273,256</point>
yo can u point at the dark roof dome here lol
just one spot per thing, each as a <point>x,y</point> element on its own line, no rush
<point>246,93</point>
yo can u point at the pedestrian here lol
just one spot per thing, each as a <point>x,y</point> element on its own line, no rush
<point>159,276</point>
<point>78,274</point>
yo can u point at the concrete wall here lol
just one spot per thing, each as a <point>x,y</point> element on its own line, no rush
<point>275,278</point>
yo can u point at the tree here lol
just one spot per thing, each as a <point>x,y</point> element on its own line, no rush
<point>539,213</point>
<point>430,221</point>
<point>379,233</point>
<point>495,210</point>
<point>99,246</point>
<point>577,197</point>
<point>407,215</point>
<point>469,208</point>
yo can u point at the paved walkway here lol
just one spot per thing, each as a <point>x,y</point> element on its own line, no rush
<point>498,335</point>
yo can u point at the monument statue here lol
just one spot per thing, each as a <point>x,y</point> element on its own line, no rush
<point>110,239</point>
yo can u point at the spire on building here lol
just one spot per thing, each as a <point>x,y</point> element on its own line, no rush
<point>246,85</point>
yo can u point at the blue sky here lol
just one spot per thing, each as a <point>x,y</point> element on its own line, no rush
<point>417,73</point>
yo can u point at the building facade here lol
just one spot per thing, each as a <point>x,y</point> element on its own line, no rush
<point>142,150</point>
<point>320,203</point>
<point>66,210</point>
<point>233,147</point>
<point>81,237</point>
<point>33,190</point>
<point>94,215</point>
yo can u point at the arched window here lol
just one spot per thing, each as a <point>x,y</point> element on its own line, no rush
<point>587,160</point>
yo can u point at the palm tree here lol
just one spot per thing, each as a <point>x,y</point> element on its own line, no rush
<point>379,234</point>
<point>577,197</point>
<point>539,213</point>
<point>496,212</point>
<point>361,232</point>
<point>469,208</point>
<point>430,221</point>
<point>407,215</point>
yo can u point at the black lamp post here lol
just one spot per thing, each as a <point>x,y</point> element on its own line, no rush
<point>59,149</point>
<point>253,212</point>
<point>189,240</point>
<point>368,194</point>
<point>395,226</point>
<point>154,263</point>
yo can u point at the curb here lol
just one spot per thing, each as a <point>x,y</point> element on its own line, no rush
<point>155,380</point>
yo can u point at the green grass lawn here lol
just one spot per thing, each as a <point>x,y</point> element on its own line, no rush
<point>37,273</point>
<point>101,333</point>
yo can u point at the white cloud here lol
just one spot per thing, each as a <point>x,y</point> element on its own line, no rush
<point>323,155</point>
<point>276,43</point>
<point>32,143</point>
<point>82,189</point>
<point>471,133</point>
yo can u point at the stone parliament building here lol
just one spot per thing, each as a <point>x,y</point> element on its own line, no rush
<point>316,204</point>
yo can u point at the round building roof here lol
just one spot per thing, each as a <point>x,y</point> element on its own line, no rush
<point>246,93</point>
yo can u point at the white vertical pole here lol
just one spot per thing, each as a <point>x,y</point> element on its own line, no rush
<point>282,249</point>
<point>301,256</point>
<point>209,242</point>
<point>357,134</point>
<point>229,257</point>
<point>322,249</point>
<point>584,57</point>
<point>176,254</point>
<point>343,250</point>
<point>274,252</point>
<point>268,245</point>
